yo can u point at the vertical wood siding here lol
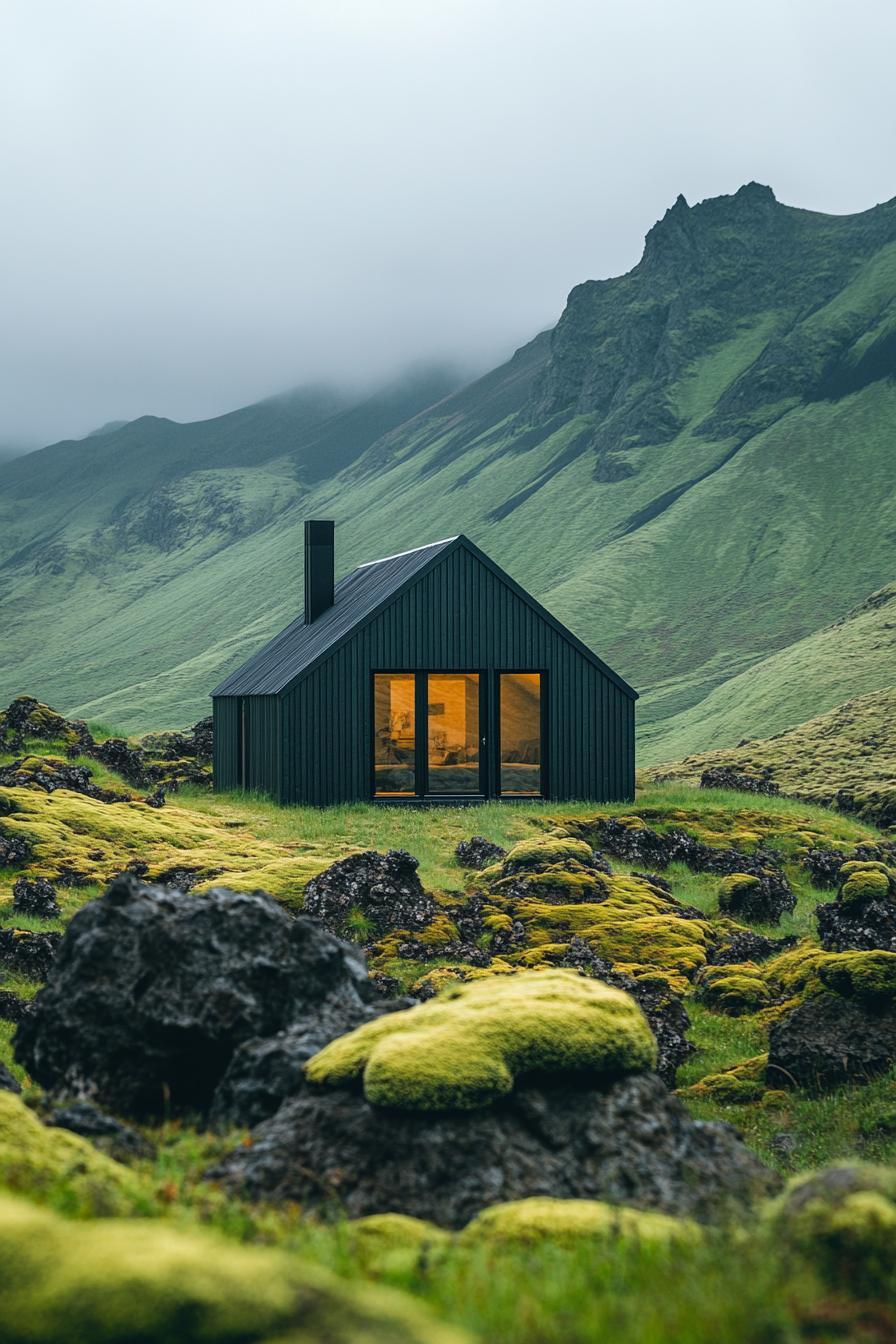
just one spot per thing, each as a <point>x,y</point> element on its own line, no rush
<point>313,743</point>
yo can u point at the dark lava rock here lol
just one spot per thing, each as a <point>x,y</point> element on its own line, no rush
<point>36,897</point>
<point>630,1143</point>
<point>12,1006</point>
<point>665,1011</point>
<point>263,1073</point>
<point>156,798</point>
<point>760,899</point>
<point>861,926</point>
<point>130,762</point>
<point>153,990</point>
<point>726,777</point>
<point>642,845</point>
<point>740,945</point>
<point>7,1082</point>
<point>29,954</point>
<point>384,888</point>
<point>104,1131</point>
<point>412,949</point>
<point>14,850</point>
<point>828,1040</point>
<point>202,735</point>
<point>823,865</point>
<point>26,717</point>
<point>50,773</point>
<point>478,853</point>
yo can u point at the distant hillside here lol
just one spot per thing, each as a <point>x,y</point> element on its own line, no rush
<point>850,749</point>
<point>851,656</point>
<point>691,469</point>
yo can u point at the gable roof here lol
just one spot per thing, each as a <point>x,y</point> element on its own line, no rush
<point>359,597</point>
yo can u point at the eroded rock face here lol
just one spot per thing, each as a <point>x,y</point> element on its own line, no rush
<point>630,1143</point>
<point>478,853</point>
<point>153,991</point>
<point>35,897</point>
<point>383,889</point>
<point>829,1040</point>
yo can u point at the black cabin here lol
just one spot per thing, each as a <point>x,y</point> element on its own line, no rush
<point>429,675</point>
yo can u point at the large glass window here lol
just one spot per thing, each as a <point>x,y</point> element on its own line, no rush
<point>452,732</point>
<point>394,738</point>
<point>519,702</point>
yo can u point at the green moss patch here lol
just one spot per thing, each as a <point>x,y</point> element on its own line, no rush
<point>467,1047</point>
<point>572,1222</point>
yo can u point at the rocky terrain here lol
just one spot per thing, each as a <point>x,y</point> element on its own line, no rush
<point>294,1081</point>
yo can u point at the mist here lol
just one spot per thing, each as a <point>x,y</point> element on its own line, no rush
<point>208,202</point>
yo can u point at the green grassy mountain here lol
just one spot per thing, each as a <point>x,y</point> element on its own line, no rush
<point>691,469</point>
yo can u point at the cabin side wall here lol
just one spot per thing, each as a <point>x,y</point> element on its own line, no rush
<point>457,617</point>
<point>247,743</point>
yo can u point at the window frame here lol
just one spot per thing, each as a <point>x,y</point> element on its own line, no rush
<point>489,734</point>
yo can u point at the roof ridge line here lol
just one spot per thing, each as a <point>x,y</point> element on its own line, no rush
<point>412,551</point>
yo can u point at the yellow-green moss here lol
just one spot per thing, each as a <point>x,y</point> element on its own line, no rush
<point>736,989</point>
<point>865,882</point>
<point>738,1085</point>
<point>465,1048</point>
<point>867,975</point>
<point>56,1165</point>
<point>734,888</point>
<point>118,1280</point>
<point>570,1222</point>
<point>536,855</point>
<point>394,1242</point>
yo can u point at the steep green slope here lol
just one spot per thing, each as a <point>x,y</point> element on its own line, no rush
<point>852,656</point>
<point>690,470</point>
<point>851,749</point>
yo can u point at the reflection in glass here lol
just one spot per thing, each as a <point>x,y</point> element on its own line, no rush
<point>453,732</point>
<point>393,733</point>
<point>520,732</point>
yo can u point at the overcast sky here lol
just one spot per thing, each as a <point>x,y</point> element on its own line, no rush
<point>205,202</point>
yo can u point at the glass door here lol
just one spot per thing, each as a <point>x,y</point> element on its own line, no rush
<point>520,735</point>
<point>453,731</point>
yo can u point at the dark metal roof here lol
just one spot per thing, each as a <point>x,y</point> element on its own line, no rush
<point>358,597</point>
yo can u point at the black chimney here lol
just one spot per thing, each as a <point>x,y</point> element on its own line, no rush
<point>319,567</point>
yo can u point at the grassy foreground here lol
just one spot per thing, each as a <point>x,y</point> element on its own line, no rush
<point>736,1285</point>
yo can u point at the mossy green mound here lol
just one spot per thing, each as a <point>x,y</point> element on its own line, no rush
<point>116,1281</point>
<point>536,855</point>
<point>863,975</point>
<point>72,835</point>
<point>394,1242</point>
<point>570,1222</point>
<point>734,889</point>
<point>737,1085</point>
<point>843,1221</point>
<point>467,1047</point>
<point>735,989</point>
<point>866,880</point>
<point>55,1165</point>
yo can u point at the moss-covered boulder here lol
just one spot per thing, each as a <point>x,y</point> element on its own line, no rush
<point>734,990</point>
<point>866,880</point>
<point>572,1222</point>
<point>116,1281</point>
<point>389,1242</point>
<point>53,1164</point>
<point>863,975</point>
<point>843,1221</point>
<point>467,1047</point>
<point>534,856</point>
<point>736,1086</point>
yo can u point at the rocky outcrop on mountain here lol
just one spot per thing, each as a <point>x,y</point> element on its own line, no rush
<point>380,892</point>
<point>153,991</point>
